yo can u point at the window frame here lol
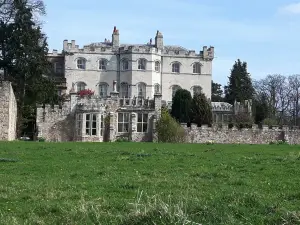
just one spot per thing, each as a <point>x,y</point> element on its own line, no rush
<point>173,93</point>
<point>196,66</point>
<point>83,63</point>
<point>122,122</point>
<point>102,63</point>
<point>157,66</point>
<point>123,63</point>
<point>80,84</point>
<point>79,122</point>
<point>106,90</point>
<point>156,88</point>
<point>58,69</point>
<point>142,122</point>
<point>144,92</point>
<point>174,64</point>
<point>91,122</point>
<point>195,87</point>
<point>142,64</point>
<point>124,85</point>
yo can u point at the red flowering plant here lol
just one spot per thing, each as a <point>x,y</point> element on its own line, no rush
<point>85,92</point>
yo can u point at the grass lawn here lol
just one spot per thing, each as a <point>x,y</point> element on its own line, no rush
<point>148,183</point>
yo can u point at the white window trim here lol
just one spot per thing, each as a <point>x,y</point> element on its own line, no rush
<point>143,122</point>
<point>159,66</point>
<point>84,63</point>
<point>122,64</point>
<point>179,67</point>
<point>123,132</point>
<point>194,64</point>
<point>105,64</point>
<point>142,60</point>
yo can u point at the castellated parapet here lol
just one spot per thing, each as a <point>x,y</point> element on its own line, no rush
<point>254,135</point>
<point>8,112</point>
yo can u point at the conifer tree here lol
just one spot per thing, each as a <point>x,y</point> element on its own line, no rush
<point>181,106</point>
<point>201,112</point>
<point>239,86</point>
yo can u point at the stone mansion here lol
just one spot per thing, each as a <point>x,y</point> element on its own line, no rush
<point>140,70</point>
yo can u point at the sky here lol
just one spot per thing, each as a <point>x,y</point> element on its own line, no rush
<point>263,33</point>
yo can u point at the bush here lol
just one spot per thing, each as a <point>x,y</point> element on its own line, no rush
<point>168,129</point>
<point>270,122</point>
<point>243,120</point>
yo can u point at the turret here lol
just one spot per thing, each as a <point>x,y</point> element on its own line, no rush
<point>159,40</point>
<point>115,37</point>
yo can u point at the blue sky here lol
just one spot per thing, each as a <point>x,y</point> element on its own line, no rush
<point>264,33</point>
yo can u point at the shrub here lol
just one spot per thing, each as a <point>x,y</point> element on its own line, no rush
<point>168,129</point>
<point>243,120</point>
<point>270,122</point>
<point>85,92</point>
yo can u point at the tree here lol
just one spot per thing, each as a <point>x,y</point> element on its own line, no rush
<point>181,106</point>
<point>168,129</point>
<point>261,108</point>
<point>24,60</point>
<point>239,86</point>
<point>201,112</point>
<point>216,92</point>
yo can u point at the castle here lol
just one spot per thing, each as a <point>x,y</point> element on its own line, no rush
<point>140,70</point>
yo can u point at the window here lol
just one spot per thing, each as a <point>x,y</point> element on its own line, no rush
<point>197,90</point>
<point>142,64</point>
<point>142,122</point>
<point>156,88</point>
<point>125,64</point>
<point>174,89</point>
<point>102,125</point>
<point>59,92</point>
<point>123,122</point>
<point>124,90</point>
<point>80,86</point>
<point>197,68</point>
<point>91,124</point>
<point>58,68</point>
<point>103,90</point>
<point>102,64</point>
<point>79,124</point>
<point>176,67</point>
<point>81,64</point>
<point>141,90</point>
<point>157,66</point>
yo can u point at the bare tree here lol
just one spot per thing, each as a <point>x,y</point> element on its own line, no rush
<point>277,92</point>
<point>294,84</point>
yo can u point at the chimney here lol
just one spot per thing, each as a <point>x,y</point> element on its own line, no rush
<point>115,38</point>
<point>159,40</point>
<point>150,41</point>
<point>65,47</point>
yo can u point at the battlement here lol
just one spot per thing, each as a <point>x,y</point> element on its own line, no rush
<point>221,107</point>
<point>221,133</point>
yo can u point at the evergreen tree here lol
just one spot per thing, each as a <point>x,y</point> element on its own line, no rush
<point>25,62</point>
<point>201,112</point>
<point>181,106</point>
<point>216,92</point>
<point>261,108</point>
<point>239,86</point>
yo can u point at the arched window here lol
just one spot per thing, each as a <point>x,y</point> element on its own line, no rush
<point>157,66</point>
<point>103,90</point>
<point>197,90</point>
<point>80,86</point>
<point>81,63</point>
<point>142,64</point>
<point>176,67</point>
<point>124,90</point>
<point>197,68</point>
<point>141,90</point>
<point>102,64</point>
<point>174,89</point>
<point>125,64</point>
<point>156,88</point>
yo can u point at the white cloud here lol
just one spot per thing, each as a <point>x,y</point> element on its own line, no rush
<point>293,8</point>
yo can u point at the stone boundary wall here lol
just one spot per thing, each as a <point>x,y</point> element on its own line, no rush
<point>8,112</point>
<point>254,135</point>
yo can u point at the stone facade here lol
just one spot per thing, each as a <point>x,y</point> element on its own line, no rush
<point>92,118</point>
<point>254,135</point>
<point>8,112</point>
<point>139,69</point>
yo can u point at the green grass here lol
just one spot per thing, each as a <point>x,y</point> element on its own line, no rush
<point>148,183</point>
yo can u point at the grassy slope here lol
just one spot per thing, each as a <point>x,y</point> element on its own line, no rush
<point>136,183</point>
